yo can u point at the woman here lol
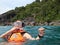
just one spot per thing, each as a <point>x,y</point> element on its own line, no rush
<point>18,34</point>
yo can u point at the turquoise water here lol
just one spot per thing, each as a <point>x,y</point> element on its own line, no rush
<point>51,37</point>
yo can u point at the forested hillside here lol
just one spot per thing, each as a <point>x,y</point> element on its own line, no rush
<point>41,11</point>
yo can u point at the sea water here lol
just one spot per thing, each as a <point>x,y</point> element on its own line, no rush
<point>51,37</point>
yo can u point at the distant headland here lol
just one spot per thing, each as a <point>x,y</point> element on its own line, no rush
<point>45,12</point>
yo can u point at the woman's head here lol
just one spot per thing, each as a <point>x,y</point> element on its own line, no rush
<point>41,30</point>
<point>18,23</point>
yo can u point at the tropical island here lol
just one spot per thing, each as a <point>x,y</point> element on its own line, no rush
<point>45,12</point>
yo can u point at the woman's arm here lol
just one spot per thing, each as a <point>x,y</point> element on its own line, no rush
<point>8,32</point>
<point>28,36</point>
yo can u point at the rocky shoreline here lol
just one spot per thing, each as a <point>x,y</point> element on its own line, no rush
<point>32,23</point>
<point>53,23</point>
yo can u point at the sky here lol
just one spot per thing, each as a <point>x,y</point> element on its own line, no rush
<point>6,5</point>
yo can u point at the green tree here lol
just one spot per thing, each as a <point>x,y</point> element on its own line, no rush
<point>44,0</point>
<point>37,0</point>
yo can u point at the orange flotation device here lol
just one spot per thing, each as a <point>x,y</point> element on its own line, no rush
<point>17,36</point>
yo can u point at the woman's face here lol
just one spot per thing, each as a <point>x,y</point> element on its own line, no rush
<point>41,31</point>
<point>18,24</point>
<point>18,27</point>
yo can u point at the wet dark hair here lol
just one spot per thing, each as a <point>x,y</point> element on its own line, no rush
<point>23,24</point>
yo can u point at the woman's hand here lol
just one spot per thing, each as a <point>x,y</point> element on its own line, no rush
<point>16,27</point>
